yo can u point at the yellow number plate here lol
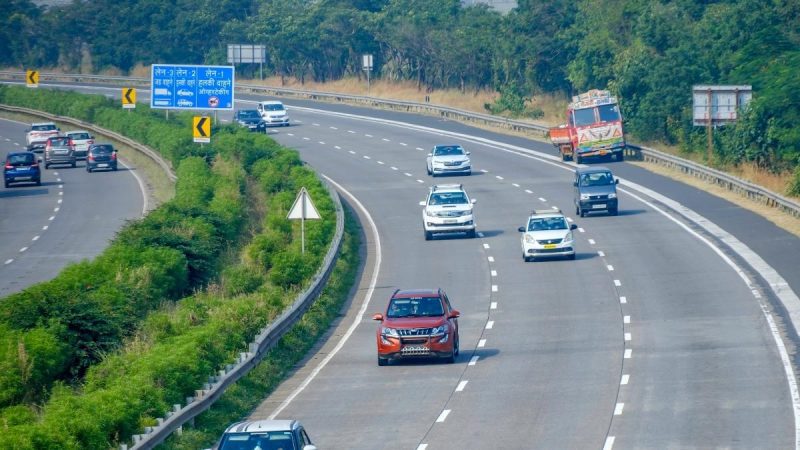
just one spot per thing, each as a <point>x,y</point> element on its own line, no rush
<point>549,245</point>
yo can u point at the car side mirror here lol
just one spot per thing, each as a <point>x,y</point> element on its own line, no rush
<point>474,200</point>
<point>521,229</point>
<point>422,203</point>
<point>575,183</point>
<point>573,227</point>
<point>469,153</point>
<point>454,314</point>
<point>378,317</point>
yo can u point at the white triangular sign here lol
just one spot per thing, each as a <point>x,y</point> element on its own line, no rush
<point>302,207</point>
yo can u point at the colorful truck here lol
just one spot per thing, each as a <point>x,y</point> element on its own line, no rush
<point>593,128</point>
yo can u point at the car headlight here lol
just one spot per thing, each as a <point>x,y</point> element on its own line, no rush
<point>465,162</point>
<point>612,195</point>
<point>430,213</point>
<point>585,196</point>
<point>440,330</point>
<point>391,332</point>
<point>568,237</point>
<point>529,239</point>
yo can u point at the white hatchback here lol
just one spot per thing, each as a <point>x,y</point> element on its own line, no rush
<point>273,112</point>
<point>447,209</point>
<point>81,140</point>
<point>547,233</point>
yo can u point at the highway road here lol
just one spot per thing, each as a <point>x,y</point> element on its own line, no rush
<point>663,333</point>
<point>72,216</point>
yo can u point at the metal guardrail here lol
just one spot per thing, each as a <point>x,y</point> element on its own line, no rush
<point>149,152</point>
<point>745,188</point>
<point>265,340</point>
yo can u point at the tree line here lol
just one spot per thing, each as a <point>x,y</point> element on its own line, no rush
<point>647,52</point>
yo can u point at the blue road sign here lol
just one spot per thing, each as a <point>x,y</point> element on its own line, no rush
<point>191,87</point>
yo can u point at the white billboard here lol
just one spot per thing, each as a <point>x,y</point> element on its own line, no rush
<point>719,104</point>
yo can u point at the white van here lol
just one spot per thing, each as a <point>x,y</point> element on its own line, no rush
<point>273,112</point>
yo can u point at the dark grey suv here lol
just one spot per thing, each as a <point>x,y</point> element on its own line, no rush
<point>595,190</point>
<point>59,150</point>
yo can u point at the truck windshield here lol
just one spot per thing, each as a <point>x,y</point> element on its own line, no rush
<point>609,113</point>
<point>583,117</point>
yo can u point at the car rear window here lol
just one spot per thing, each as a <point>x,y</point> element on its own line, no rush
<point>59,141</point>
<point>20,159</point>
<point>249,114</point>
<point>81,136</point>
<point>102,149</point>
<point>43,127</point>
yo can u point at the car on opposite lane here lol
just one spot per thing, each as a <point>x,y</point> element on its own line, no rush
<point>271,434</point>
<point>59,150</point>
<point>38,133</point>
<point>547,233</point>
<point>101,156</point>
<point>21,167</point>
<point>448,159</point>
<point>82,140</point>
<point>250,119</point>
<point>447,209</point>
<point>417,323</point>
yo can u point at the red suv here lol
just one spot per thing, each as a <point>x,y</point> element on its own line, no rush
<point>417,323</point>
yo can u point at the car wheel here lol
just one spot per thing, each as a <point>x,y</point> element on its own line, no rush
<point>457,347</point>
<point>428,235</point>
<point>571,257</point>
<point>468,173</point>
<point>577,209</point>
<point>47,166</point>
<point>451,358</point>
<point>428,170</point>
<point>88,169</point>
<point>525,258</point>
<point>39,182</point>
<point>620,157</point>
<point>613,211</point>
<point>382,361</point>
<point>582,212</point>
<point>74,164</point>
<point>6,183</point>
<point>114,168</point>
<point>578,159</point>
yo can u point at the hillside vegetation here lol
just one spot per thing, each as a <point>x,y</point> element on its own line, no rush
<point>649,53</point>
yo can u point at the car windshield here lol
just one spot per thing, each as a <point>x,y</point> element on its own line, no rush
<point>547,223</point>
<point>415,307</point>
<point>79,136</point>
<point>273,440</point>
<point>43,127</point>
<point>448,151</point>
<point>249,114</point>
<point>448,198</point>
<point>597,179</point>
<point>273,107</point>
<point>20,159</point>
<point>608,113</point>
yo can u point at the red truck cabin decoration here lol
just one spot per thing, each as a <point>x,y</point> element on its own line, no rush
<point>593,128</point>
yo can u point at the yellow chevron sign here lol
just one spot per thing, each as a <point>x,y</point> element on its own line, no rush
<point>201,129</point>
<point>128,98</point>
<point>32,78</point>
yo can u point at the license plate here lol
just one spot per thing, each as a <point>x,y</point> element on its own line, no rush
<point>102,165</point>
<point>23,167</point>
<point>415,348</point>
<point>61,152</point>
<point>549,245</point>
<point>449,220</point>
<point>599,206</point>
<point>22,178</point>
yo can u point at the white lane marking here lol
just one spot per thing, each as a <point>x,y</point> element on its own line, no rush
<point>491,259</point>
<point>56,209</point>
<point>473,360</point>
<point>419,181</point>
<point>337,147</point>
<point>609,445</point>
<point>386,140</point>
<point>380,162</point>
<point>600,253</point>
<point>408,174</point>
<point>351,152</point>
<point>581,230</point>
<point>542,199</point>
<point>627,336</point>
<point>618,409</point>
<point>484,171</point>
<point>626,319</point>
<point>60,200</point>
<point>333,128</point>
<point>359,316</point>
<point>58,179</point>
<point>443,416</point>
<point>485,245</point>
<point>367,157</point>
<point>490,324</point>
<point>625,379</point>
<point>61,186</point>
<point>591,241</point>
<point>515,184</point>
<point>628,353</point>
<point>498,177</point>
<point>351,131</point>
<point>306,139</point>
<point>420,149</point>
<point>9,261</point>
<point>23,249</point>
<point>290,134</point>
<point>493,273</point>
<point>528,191</point>
<point>610,268</point>
<point>60,192</point>
<point>617,283</point>
<point>44,227</point>
<point>482,343</point>
<point>52,218</point>
<point>494,288</point>
<point>422,447</point>
<point>404,144</point>
<point>569,219</point>
<point>35,238</point>
<point>493,305</point>
<point>315,124</point>
<point>368,135</point>
<point>556,208</point>
<point>321,142</point>
<point>623,300</point>
<point>461,385</point>
<point>394,168</point>
<point>480,234</point>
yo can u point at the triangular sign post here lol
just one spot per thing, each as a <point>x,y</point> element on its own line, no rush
<point>303,209</point>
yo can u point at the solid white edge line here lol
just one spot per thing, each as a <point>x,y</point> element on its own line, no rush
<point>357,320</point>
<point>142,187</point>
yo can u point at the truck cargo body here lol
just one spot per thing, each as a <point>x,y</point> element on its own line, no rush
<point>593,128</point>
